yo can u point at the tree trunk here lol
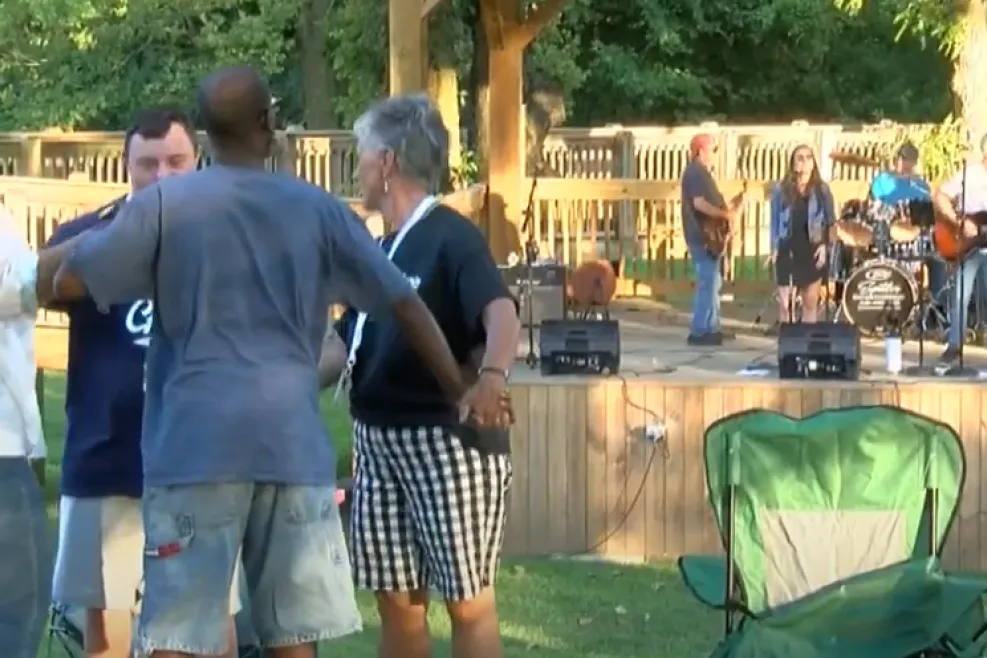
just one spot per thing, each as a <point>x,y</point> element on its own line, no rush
<point>969,81</point>
<point>479,139</point>
<point>318,84</point>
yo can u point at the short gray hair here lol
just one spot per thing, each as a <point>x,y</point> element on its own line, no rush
<point>411,128</point>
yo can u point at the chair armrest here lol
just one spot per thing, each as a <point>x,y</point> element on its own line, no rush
<point>706,578</point>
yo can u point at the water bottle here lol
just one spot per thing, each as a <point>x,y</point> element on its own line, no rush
<point>892,350</point>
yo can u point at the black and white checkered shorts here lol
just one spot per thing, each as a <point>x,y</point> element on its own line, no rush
<point>426,512</point>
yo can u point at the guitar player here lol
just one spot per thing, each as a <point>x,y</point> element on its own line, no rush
<point>701,203</point>
<point>966,188</point>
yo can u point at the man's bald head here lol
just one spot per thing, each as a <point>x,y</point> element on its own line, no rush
<point>234,104</point>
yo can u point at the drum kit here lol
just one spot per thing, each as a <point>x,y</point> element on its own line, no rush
<point>877,251</point>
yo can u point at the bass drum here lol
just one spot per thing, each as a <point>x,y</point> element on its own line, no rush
<point>879,295</point>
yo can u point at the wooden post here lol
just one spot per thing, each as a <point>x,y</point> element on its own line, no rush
<point>505,165</point>
<point>507,35</point>
<point>30,162</point>
<point>405,46</point>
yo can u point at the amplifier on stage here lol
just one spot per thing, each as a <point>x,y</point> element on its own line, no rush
<point>579,347</point>
<point>818,351</point>
<point>548,290</point>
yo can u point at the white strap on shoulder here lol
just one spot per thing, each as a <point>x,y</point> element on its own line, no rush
<point>422,209</point>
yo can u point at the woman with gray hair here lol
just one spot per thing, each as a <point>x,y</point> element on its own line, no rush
<point>430,488</point>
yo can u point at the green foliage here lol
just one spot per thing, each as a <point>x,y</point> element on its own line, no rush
<point>89,64</point>
<point>358,34</point>
<point>467,171</point>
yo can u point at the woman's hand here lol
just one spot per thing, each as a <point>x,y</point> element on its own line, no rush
<point>820,256</point>
<point>771,259</point>
<point>488,402</point>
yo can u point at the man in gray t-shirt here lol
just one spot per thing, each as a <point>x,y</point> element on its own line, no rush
<point>243,265</point>
<point>702,201</point>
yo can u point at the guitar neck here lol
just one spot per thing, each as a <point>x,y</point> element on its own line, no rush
<point>738,198</point>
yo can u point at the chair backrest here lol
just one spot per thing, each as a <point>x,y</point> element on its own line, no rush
<point>802,504</point>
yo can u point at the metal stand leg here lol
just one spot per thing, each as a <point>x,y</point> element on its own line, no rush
<point>921,370</point>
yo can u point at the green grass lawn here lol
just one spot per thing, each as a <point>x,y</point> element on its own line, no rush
<point>548,608</point>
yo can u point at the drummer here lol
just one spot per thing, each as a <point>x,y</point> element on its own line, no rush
<point>901,185</point>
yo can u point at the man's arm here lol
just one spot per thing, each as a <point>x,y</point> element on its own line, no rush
<point>945,195</point>
<point>366,280</point>
<point>332,360</point>
<point>50,261</point>
<point>707,208</point>
<point>700,187</point>
<point>114,265</point>
<point>53,254</point>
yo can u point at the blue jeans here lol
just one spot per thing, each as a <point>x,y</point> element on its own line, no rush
<point>974,265</point>
<point>294,560</point>
<point>937,277</point>
<point>25,560</point>
<point>706,299</point>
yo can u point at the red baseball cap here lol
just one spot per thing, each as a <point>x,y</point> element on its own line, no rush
<point>700,142</point>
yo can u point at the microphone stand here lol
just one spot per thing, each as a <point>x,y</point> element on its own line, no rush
<point>791,283</point>
<point>960,370</point>
<point>825,281</point>
<point>921,370</point>
<point>530,256</point>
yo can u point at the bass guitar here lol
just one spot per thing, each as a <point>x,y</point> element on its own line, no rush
<point>951,244</point>
<point>716,231</point>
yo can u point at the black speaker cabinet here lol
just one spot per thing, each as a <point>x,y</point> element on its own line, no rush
<point>818,351</point>
<point>547,294</point>
<point>579,347</point>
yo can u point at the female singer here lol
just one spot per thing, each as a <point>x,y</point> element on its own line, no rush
<point>801,213</point>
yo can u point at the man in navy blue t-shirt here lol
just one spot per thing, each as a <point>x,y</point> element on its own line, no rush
<point>101,536</point>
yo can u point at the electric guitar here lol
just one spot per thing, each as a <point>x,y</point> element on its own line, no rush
<point>716,231</point>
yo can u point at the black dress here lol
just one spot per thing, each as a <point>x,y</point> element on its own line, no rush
<point>796,261</point>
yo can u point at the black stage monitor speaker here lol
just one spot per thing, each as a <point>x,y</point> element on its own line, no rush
<point>548,283</point>
<point>579,347</point>
<point>818,351</point>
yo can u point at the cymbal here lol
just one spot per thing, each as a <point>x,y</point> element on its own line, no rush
<point>853,159</point>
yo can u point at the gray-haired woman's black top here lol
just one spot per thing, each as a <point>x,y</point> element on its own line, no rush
<point>447,259</point>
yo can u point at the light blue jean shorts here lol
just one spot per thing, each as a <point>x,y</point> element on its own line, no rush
<point>295,565</point>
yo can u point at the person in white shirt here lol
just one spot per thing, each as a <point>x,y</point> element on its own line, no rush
<point>962,201</point>
<point>25,545</point>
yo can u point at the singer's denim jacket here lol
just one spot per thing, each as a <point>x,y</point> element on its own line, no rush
<point>822,214</point>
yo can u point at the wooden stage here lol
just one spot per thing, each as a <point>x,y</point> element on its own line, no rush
<point>582,481</point>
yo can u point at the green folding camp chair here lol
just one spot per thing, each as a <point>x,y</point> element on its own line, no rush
<point>833,526</point>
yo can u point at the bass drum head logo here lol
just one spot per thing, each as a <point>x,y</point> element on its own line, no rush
<point>879,296</point>
<point>878,273</point>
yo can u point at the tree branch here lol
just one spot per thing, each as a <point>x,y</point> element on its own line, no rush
<point>538,20</point>
<point>428,6</point>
